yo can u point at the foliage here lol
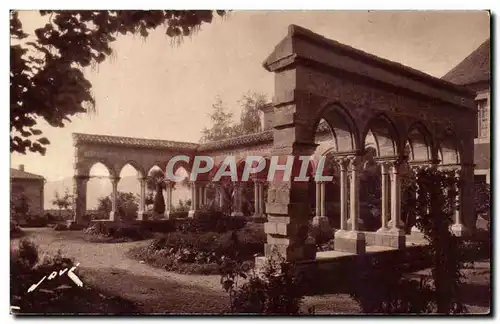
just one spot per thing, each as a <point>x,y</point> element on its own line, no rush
<point>19,206</point>
<point>62,202</point>
<point>382,287</point>
<point>212,220</point>
<point>155,177</point>
<point>184,206</point>
<point>222,120</point>
<point>15,230</point>
<point>189,252</point>
<point>482,199</point>
<point>35,220</point>
<point>436,204</point>
<point>104,233</point>
<point>46,78</point>
<point>126,205</point>
<point>277,291</point>
<point>159,204</point>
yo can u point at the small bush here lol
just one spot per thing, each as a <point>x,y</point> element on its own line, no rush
<point>277,291</point>
<point>108,233</point>
<point>158,226</point>
<point>189,252</point>
<point>178,214</point>
<point>212,221</point>
<point>15,230</point>
<point>35,221</point>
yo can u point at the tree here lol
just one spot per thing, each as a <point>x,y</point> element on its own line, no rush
<point>46,78</point>
<point>153,178</point>
<point>126,205</point>
<point>159,205</point>
<point>62,202</point>
<point>251,105</point>
<point>223,126</point>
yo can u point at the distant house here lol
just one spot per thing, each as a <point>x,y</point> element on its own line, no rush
<point>30,186</point>
<point>474,73</point>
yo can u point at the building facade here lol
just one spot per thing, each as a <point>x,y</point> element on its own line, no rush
<point>29,185</point>
<point>474,73</point>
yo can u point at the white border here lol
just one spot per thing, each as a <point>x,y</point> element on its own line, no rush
<point>255,4</point>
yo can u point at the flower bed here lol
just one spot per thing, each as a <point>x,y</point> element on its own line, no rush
<point>201,253</point>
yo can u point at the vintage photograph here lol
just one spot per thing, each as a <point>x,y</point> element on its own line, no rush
<point>232,162</point>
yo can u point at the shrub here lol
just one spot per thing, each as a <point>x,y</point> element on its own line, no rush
<point>35,221</point>
<point>158,226</point>
<point>110,233</point>
<point>178,214</point>
<point>277,291</point>
<point>15,230</point>
<point>212,221</point>
<point>189,252</point>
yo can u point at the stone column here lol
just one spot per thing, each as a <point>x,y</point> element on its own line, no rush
<point>201,195</point>
<point>168,195</point>
<point>238,201</point>
<point>385,210</point>
<point>398,239</point>
<point>261,198</point>
<point>320,217</point>
<point>458,228</point>
<point>80,199</point>
<point>344,164</point>
<point>220,196</point>
<point>194,199</point>
<point>114,197</point>
<point>142,199</point>
<point>352,241</point>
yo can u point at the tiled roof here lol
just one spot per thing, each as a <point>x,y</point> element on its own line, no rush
<point>79,138</point>
<point>245,140</point>
<point>18,174</point>
<point>474,68</point>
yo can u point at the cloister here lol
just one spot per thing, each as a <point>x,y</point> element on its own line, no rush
<point>364,113</point>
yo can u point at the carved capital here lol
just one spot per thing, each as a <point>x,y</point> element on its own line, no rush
<point>114,180</point>
<point>343,163</point>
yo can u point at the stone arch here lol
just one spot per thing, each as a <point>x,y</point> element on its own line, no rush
<point>341,124</point>
<point>88,165</point>
<point>385,133</point>
<point>418,143</point>
<point>135,165</point>
<point>449,148</point>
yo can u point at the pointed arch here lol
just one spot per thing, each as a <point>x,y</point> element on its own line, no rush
<point>135,165</point>
<point>385,133</point>
<point>342,125</point>
<point>420,142</point>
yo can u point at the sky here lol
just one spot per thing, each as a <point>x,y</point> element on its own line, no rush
<point>153,89</point>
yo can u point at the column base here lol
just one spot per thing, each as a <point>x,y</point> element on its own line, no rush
<point>459,230</point>
<point>350,241</point>
<point>391,237</point>
<point>166,214</point>
<point>360,224</point>
<point>237,214</point>
<point>391,222</point>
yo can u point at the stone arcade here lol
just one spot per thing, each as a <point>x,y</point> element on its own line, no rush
<point>404,116</point>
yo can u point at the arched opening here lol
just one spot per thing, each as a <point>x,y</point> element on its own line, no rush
<point>181,192</point>
<point>128,198</point>
<point>418,146</point>
<point>449,150</point>
<point>381,133</point>
<point>99,190</point>
<point>155,198</point>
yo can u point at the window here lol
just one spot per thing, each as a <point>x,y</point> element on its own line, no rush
<point>483,118</point>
